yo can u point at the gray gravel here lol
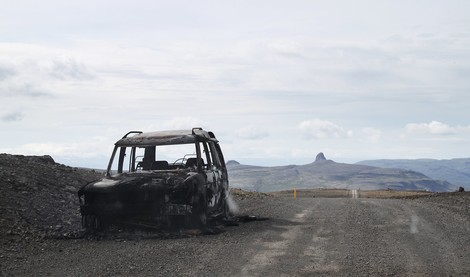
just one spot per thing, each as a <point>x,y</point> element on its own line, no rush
<point>303,237</point>
<point>40,234</point>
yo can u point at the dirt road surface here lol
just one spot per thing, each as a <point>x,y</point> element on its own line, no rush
<point>302,237</point>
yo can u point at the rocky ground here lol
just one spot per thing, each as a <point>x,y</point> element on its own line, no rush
<point>38,197</point>
<point>40,234</point>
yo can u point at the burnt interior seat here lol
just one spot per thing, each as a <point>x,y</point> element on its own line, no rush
<point>193,162</point>
<point>159,165</point>
<point>145,164</point>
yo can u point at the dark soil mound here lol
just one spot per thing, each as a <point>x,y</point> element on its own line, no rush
<point>38,196</point>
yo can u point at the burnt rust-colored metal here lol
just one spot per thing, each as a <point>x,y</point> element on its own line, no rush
<point>190,190</point>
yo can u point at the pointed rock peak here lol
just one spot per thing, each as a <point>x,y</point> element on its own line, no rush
<point>320,157</point>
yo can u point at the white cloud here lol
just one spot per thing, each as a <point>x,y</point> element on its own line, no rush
<point>448,137</point>
<point>68,68</point>
<point>90,148</point>
<point>33,70</point>
<point>372,134</point>
<point>6,72</point>
<point>12,116</point>
<point>23,89</point>
<point>433,128</point>
<point>268,66</point>
<point>322,129</point>
<point>251,132</point>
<point>182,123</point>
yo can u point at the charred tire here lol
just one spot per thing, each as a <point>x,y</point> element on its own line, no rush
<point>176,222</point>
<point>93,223</point>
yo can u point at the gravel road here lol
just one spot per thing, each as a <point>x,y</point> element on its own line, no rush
<point>302,237</point>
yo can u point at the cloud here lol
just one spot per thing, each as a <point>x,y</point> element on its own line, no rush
<point>183,123</point>
<point>31,70</point>
<point>251,132</point>
<point>322,129</point>
<point>232,68</point>
<point>14,89</point>
<point>437,131</point>
<point>89,148</point>
<point>6,72</point>
<point>12,117</point>
<point>68,69</point>
<point>432,128</point>
<point>372,134</point>
<point>362,76</point>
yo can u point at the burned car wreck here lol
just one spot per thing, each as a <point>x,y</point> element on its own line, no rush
<point>164,178</point>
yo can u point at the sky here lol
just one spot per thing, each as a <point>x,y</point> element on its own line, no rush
<point>276,81</point>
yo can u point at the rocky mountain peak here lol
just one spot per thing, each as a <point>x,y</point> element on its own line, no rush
<point>232,162</point>
<point>320,157</point>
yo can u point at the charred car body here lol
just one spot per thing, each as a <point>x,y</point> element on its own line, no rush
<point>166,177</point>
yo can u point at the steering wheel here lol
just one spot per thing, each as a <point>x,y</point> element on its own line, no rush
<point>180,159</point>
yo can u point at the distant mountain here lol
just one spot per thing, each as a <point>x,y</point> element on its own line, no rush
<point>455,171</point>
<point>325,173</point>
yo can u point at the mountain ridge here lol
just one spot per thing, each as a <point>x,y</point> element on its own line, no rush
<point>323,173</point>
<point>455,171</point>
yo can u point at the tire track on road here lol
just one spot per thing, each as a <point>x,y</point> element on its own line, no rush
<point>271,251</point>
<point>300,247</point>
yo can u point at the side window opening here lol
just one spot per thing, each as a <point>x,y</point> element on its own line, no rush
<point>121,160</point>
<point>207,154</point>
<point>138,159</point>
<point>219,154</point>
<point>214,155</point>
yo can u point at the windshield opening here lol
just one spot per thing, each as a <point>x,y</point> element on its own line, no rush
<point>127,159</point>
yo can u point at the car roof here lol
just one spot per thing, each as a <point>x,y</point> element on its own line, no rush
<point>165,137</point>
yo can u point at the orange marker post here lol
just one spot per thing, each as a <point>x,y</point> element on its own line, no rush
<point>295,193</point>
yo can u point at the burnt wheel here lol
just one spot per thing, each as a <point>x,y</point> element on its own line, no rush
<point>176,222</point>
<point>93,223</point>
